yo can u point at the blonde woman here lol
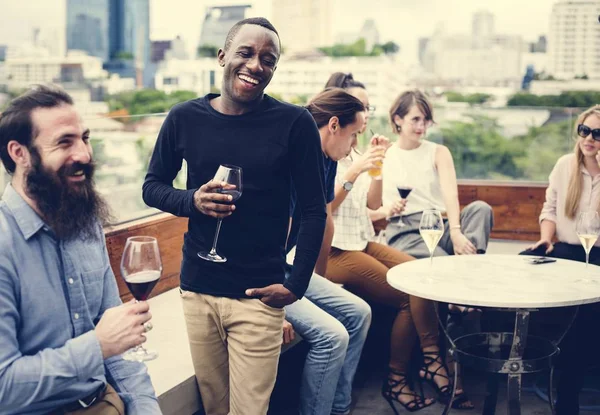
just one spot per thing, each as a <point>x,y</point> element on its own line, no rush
<point>574,187</point>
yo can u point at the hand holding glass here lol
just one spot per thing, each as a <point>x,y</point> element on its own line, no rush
<point>231,175</point>
<point>431,229</point>
<point>141,267</point>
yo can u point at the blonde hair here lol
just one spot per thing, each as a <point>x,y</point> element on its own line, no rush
<point>576,181</point>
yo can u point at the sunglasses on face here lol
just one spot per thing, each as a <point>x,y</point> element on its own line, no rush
<point>584,131</point>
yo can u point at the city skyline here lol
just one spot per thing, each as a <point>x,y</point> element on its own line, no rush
<point>403,23</point>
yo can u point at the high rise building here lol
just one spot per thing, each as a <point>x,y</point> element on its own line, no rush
<point>117,31</point>
<point>573,39</point>
<point>370,34</point>
<point>87,27</point>
<point>303,25</point>
<point>483,24</point>
<point>217,22</point>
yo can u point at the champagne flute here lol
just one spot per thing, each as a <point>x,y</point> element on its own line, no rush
<point>231,175</point>
<point>587,229</point>
<point>141,267</point>
<point>431,229</point>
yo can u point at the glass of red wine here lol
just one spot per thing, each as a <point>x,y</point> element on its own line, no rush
<point>141,267</point>
<point>404,192</point>
<point>232,176</point>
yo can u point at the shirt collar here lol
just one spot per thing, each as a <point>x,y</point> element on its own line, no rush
<point>27,219</point>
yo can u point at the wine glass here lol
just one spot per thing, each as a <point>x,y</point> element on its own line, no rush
<point>587,229</point>
<point>431,229</point>
<point>141,267</point>
<point>404,191</point>
<point>231,175</point>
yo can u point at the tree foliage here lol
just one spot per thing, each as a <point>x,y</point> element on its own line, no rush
<point>207,51</point>
<point>148,101</point>
<point>569,99</point>
<point>359,48</point>
<point>476,98</point>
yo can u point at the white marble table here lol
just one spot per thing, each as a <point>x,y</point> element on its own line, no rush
<point>506,282</point>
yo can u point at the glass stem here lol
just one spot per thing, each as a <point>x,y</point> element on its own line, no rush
<point>431,259</point>
<point>214,247</point>
<point>587,258</point>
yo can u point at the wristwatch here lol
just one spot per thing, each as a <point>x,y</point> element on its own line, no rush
<point>348,186</point>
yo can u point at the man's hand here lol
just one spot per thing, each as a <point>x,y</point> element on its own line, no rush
<point>275,295</point>
<point>547,243</point>
<point>122,328</point>
<point>461,245</point>
<point>210,201</point>
<point>288,332</point>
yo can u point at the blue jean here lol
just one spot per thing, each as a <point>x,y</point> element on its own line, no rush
<point>335,323</point>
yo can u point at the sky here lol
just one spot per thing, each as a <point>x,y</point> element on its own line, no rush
<point>402,21</point>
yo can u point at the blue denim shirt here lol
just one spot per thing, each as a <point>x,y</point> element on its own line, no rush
<point>52,294</point>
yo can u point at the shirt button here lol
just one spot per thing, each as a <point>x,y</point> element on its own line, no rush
<point>76,316</point>
<point>71,281</point>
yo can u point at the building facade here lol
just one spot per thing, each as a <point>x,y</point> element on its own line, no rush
<point>217,22</point>
<point>88,27</point>
<point>574,39</point>
<point>303,25</point>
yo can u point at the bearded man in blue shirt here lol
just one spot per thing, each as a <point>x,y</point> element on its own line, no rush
<point>62,324</point>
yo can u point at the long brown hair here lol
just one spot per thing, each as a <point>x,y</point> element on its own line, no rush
<point>334,102</point>
<point>576,181</point>
<point>405,102</point>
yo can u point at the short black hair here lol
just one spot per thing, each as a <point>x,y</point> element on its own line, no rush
<point>15,121</point>
<point>258,21</point>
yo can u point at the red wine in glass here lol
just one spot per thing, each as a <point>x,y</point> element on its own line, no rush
<point>141,267</point>
<point>235,195</point>
<point>404,192</point>
<point>141,284</point>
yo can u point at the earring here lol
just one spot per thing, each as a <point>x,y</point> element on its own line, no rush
<point>398,128</point>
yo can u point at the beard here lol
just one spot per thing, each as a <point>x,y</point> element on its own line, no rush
<point>72,210</point>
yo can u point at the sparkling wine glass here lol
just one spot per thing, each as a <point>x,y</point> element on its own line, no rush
<point>588,228</point>
<point>141,267</point>
<point>231,175</point>
<point>431,229</point>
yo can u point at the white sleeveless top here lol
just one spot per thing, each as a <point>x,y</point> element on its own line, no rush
<point>413,168</point>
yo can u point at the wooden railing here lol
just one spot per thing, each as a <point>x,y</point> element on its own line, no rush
<point>516,209</point>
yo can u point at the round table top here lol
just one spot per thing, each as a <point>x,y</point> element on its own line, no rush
<point>505,281</point>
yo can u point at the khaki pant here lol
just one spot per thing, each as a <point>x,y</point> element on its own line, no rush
<point>109,404</point>
<point>235,346</point>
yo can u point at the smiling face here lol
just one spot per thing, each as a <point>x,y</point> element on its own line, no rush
<point>588,146</point>
<point>249,63</point>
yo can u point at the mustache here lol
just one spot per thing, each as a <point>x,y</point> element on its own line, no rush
<point>69,170</point>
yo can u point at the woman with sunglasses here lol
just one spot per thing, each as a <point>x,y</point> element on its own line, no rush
<point>574,187</point>
<point>428,169</point>
<point>361,264</point>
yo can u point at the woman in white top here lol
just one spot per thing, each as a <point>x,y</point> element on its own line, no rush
<point>428,169</point>
<point>361,265</point>
<point>574,187</point>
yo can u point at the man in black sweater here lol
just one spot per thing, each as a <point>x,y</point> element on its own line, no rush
<point>234,339</point>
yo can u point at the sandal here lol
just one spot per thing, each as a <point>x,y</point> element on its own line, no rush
<point>429,358</point>
<point>392,395</point>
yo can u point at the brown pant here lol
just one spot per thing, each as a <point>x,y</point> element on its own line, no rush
<point>364,273</point>
<point>235,345</point>
<point>109,404</point>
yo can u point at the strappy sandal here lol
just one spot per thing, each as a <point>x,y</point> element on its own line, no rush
<point>392,394</point>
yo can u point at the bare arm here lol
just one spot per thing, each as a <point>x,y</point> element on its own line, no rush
<point>321,266</point>
<point>449,186</point>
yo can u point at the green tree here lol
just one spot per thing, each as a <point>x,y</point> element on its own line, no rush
<point>390,48</point>
<point>148,101</point>
<point>472,99</point>
<point>124,55</point>
<point>479,150</point>
<point>207,51</point>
